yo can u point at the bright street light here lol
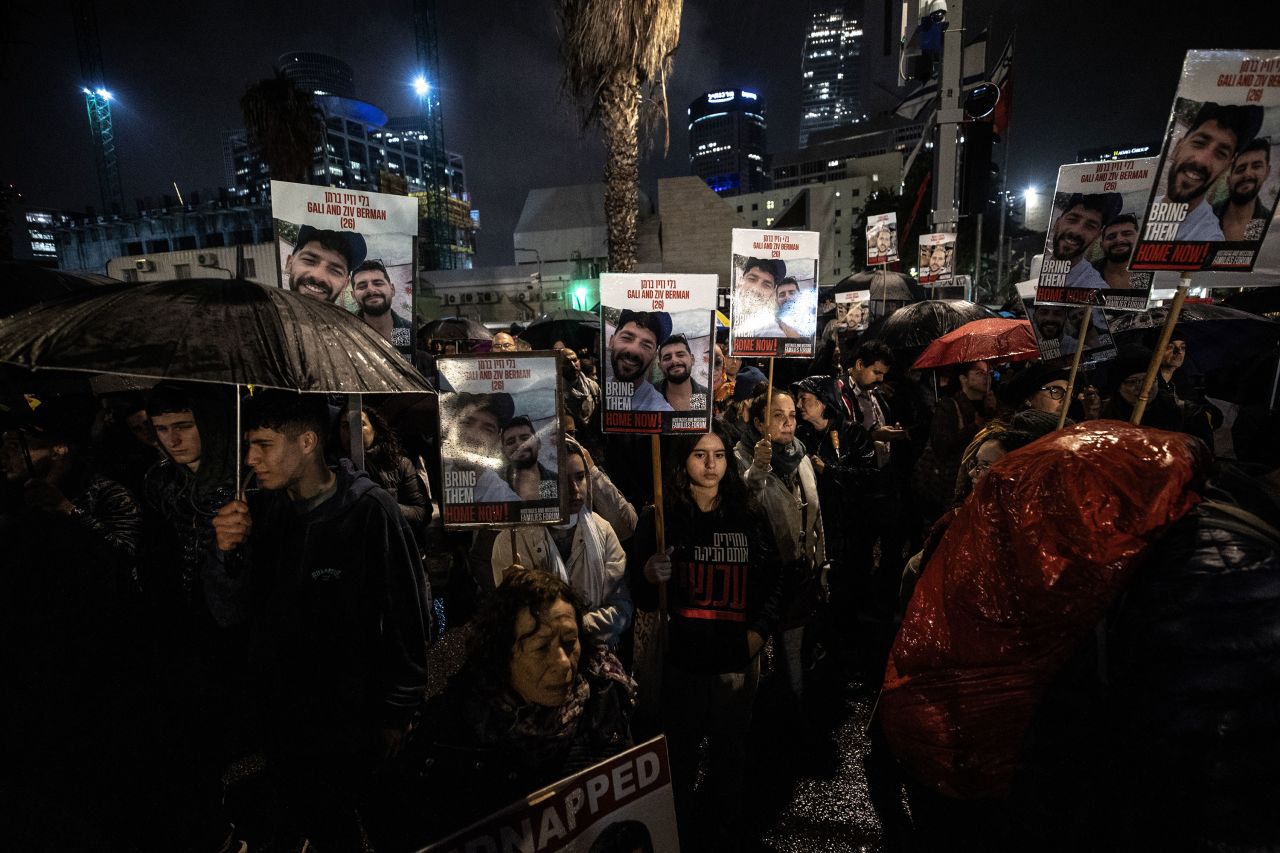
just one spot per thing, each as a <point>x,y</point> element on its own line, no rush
<point>1030,193</point>
<point>102,93</point>
<point>421,86</point>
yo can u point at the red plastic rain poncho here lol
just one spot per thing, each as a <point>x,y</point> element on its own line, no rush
<point>1030,565</point>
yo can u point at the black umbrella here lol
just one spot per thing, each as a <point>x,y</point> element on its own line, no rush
<point>1216,336</point>
<point>208,330</point>
<point>917,325</point>
<point>456,329</point>
<point>25,284</point>
<point>885,285</point>
<point>576,328</point>
<point>229,332</point>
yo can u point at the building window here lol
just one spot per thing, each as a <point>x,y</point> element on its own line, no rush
<point>130,275</point>
<point>839,254</point>
<point>182,270</point>
<point>739,210</point>
<point>755,223</point>
<point>837,214</point>
<point>755,206</point>
<point>248,268</point>
<point>836,271</point>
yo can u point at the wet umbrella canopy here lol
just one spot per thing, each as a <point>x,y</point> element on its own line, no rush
<point>208,330</point>
<point>1216,336</point>
<point>576,328</point>
<point>992,339</point>
<point>918,325</point>
<point>456,329</point>
<point>23,285</point>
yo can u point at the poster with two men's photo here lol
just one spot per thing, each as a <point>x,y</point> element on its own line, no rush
<point>773,289</point>
<point>1057,330</point>
<point>658,344</point>
<point>350,247</point>
<point>937,259</point>
<point>1097,215</point>
<point>1215,192</point>
<point>500,439</point>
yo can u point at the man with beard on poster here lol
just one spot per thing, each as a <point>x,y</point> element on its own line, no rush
<point>1118,239</point>
<point>756,315</point>
<point>321,260</point>
<point>473,442</point>
<point>1083,218</point>
<point>632,349</point>
<point>1050,321</point>
<point>371,287</point>
<point>678,387</point>
<point>1242,214</point>
<point>1202,156</point>
<point>524,473</point>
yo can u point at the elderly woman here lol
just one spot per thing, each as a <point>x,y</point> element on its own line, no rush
<point>521,714</point>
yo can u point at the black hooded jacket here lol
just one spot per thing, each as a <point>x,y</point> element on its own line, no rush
<point>181,562</point>
<point>339,634</point>
<point>850,477</point>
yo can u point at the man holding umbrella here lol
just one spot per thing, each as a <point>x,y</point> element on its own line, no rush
<point>339,637</point>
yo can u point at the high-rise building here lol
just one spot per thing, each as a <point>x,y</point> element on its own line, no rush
<point>363,150</point>
<point>830,69</point>
<point>317,73</point>
<point>726,141</point>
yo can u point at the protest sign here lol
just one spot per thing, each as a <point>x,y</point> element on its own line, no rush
<point>1215,191</point>
<point>351,247</point>
<point>774,293</point>
<point>882,239</point>
<point>937,259</point>
<point>621,805</point>
<point>853,309</point>
<point>1096,218</point>
<point>658,333</point>
<point>500,439</point>
<point>1057,330</point>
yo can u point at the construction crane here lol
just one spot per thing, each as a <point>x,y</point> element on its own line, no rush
<point>97,101</point>
<point>438,253</point>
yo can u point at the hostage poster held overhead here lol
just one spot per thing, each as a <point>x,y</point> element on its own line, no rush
<point>658,332</point>
<point>351,247</point>
<point>621,805</point>
<point>1094,225</point>
<point>882,239</point>
<point>773,288</point>
<point>1215,189</point>
<point>937,259</point>
<point>500,439</point>
<point>853,309</point>
<point>1057,330</point>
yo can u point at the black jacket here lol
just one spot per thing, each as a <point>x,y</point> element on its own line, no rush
<point>453,772</point>
<point>339,636</point>
<point>1195,661</point>
<point>726,579</point>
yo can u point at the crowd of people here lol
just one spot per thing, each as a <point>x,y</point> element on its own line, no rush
<point>162,622</point>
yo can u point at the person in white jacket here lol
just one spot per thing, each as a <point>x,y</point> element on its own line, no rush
<point>585,553</point>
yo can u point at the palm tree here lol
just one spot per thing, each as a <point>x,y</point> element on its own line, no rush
<point>617,54</point>
<point>284,125</point>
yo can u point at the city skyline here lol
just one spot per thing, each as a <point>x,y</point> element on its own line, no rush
<point>178,88</point>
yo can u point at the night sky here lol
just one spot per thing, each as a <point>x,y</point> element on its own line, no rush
<point>1086,74</point>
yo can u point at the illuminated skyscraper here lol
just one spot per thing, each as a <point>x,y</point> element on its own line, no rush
<point>726,141</point>
<point>832,49</point>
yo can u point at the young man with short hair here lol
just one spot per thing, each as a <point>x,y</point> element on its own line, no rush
<point>340,628</point>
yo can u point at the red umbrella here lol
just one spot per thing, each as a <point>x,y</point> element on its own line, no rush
<point>992,339</point>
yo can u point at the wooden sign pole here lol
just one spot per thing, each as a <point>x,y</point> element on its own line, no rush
<point>1166,334</point>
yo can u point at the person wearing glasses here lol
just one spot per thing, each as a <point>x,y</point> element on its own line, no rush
<point>1037,387</point>
<point>1125,376</point>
